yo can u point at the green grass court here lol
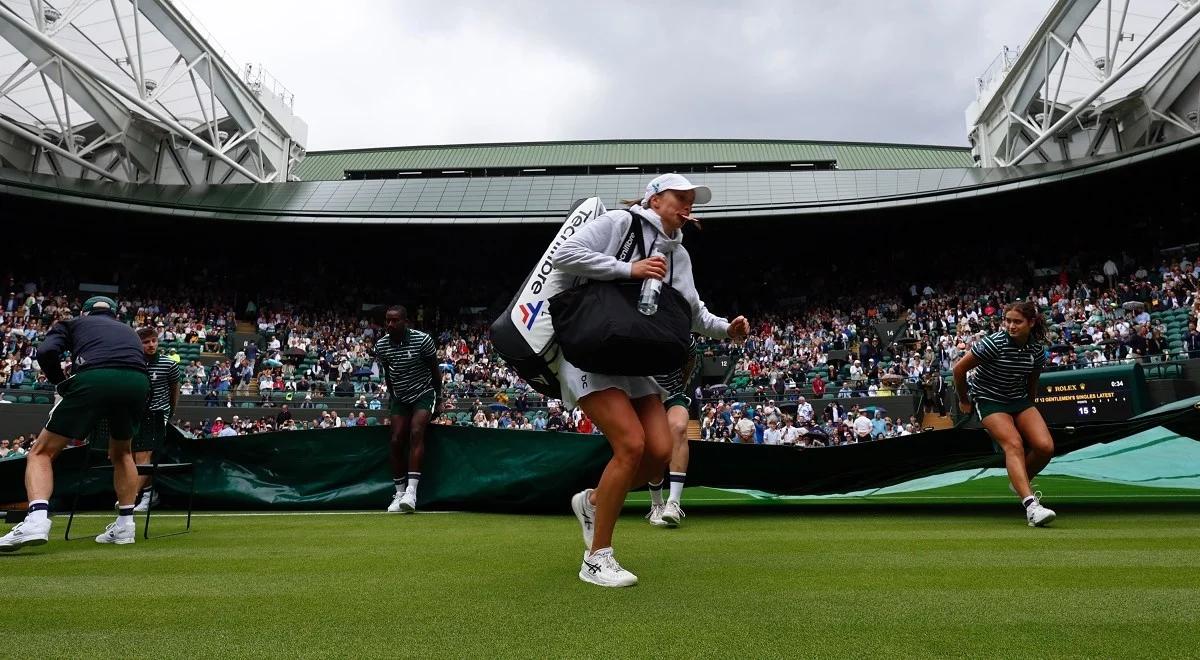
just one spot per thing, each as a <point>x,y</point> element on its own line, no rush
<point>952,572</point>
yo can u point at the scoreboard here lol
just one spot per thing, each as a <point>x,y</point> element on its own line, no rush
<point>1101,394</point>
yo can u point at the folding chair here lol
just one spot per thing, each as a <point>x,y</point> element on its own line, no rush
<point>156,468</point>
<point>98,444</point>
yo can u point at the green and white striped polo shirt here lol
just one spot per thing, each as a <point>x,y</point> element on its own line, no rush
<point>164,374</point>
<point>406,365</point>
<point>1004,368</point>
<point>676,381</point>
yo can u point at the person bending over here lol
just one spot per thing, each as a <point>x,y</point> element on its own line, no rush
<point>108,383</point>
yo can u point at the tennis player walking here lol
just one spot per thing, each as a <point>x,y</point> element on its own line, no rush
<point>629,409</point>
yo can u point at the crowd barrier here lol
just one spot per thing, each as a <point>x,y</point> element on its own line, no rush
<point>488,469</point>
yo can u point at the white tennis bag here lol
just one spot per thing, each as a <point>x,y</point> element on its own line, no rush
<point>524,335</point>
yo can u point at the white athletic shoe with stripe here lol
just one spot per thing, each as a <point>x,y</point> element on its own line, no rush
<point>25,533</point>
<point>408,502</point>
<point>585,512</point>
<point>118,534</point>
<point>394,507</point>
<point>601,568</point>
<point>1038,516</point>
<point>143,505</point>
<point>672,514</point>
<point>655,516</point>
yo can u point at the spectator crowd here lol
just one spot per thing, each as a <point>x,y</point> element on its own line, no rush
<point>809,360</point>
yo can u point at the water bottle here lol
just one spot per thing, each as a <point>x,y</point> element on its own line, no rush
<point>651,287</point>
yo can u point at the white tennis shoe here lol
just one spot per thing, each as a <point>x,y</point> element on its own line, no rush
<point>655,515</point>
<point>408,502</point>
<point>118,534</point>
<point>394,507</point>
<point>672,514</point>
<point>601,568</point>
<point>26,533</point>
<point>1038,515</point>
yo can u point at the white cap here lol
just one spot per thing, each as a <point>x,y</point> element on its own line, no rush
<point>674,181</point>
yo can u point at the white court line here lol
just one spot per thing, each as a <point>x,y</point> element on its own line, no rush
<point>250,514</point>
<point>872,498</point>
<point>865,500</point>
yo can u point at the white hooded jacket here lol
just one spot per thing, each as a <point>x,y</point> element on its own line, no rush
<point>588,254</point>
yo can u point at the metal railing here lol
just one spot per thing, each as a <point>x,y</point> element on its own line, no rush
<point>999,67</point>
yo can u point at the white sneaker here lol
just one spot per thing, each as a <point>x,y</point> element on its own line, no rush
<point>1038,515</point>
<point>601,568</point>
<point>394,507</point>
<point>26,533</point>
<point>672,514</point>
<point>143,506</point>
<point>585,511</point>
<point>655,515</point>
<point>408,502</point>
<point>118,534</point>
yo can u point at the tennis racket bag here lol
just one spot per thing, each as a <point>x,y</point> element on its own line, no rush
<point>524,335</point>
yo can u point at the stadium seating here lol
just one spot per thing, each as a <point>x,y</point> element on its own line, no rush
<point>779,343</point>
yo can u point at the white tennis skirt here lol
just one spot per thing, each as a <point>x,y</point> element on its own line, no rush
<point>576,384</point>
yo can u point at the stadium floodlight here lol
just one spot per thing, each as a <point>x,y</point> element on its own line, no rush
<point>148,92</point>
<point>1096,77</point>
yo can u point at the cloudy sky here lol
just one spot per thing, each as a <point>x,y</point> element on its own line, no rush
<point>370,73</point>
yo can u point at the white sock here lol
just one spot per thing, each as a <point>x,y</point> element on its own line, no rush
<point>38,510</point>
<point>400,485</point>
<point>656,493</point>
<point>1029,501</point>
<point>414,478</point>
<point>677,479</point>
<point>125,515</point>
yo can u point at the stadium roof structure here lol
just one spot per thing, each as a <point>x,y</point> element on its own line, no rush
<point>135,91</point>
<point>615,156</point>
<point>544,199</point>
<point>1095,77</point>
<point>129,105</point>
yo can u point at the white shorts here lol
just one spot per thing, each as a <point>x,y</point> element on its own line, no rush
<point>577,384</point>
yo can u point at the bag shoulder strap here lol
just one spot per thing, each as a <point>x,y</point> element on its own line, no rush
<point>637,235</point>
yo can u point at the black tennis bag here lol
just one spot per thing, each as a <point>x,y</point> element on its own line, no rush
<point>600,329</point>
